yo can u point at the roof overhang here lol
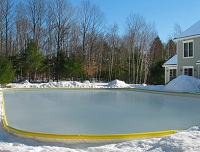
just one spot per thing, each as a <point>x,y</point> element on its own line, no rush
<point>170,65</point>
<point>187,37</point>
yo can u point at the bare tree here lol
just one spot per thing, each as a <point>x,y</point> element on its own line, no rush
<point>62,16</point>
<point>91,26</point>
<point>177,30</point>
<point>55,25</point>
<point>113,42</point>
<point>35,11</point>
<point>49,41</point>
<point>75,42</point>
<point>22,28</point>
<point>6,14</point>
<point>138,42</point>
<point>100,56</point>
<point>134,24</point>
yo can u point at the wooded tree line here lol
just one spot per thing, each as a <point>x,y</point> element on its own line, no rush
<point>53,40</point>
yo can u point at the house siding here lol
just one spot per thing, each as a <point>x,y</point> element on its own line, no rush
<point>188,61</point>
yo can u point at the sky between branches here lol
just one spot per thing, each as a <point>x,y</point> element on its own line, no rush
<point>164,14</point>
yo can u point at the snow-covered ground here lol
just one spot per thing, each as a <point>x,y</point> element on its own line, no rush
<point>180,84</point>
<point>188,140</point>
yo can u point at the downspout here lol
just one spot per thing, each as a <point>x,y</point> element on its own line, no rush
<point>166,75</point>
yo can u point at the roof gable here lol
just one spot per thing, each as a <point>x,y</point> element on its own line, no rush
<point>172,61</point>
<point>194,30</point>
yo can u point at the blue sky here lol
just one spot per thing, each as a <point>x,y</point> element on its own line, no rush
<point>163,13</point>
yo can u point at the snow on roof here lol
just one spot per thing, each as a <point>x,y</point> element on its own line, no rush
<point>172,61</point>
<point>191,31</point>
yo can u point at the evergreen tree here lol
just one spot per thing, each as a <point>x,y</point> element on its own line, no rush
<point>48,68</point>
<point>74,67</point>
<point>157,73</point>
<point>157,50</point>
<point>33,60</point>
<point>59,68</point>
<point>16,62</point>
<point>170,49</point>
<point>68,67</point>
<point>6,71</point>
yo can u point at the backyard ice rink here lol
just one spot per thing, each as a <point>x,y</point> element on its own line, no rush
<point>99,111</point>
<point>187,140</point>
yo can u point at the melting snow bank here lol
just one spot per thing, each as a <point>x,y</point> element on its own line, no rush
<point>118,84</point>
<point>71,84</point>
<point>61,84</point>
<point>184,83</point>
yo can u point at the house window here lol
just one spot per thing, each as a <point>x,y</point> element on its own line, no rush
<point>188,71</point>
<point>172,74</point>
<point>188,49</point>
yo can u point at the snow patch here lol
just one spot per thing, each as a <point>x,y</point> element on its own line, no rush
<point>153,87</point>
<point>70,84</point>
<point>118,84</point>
<point>184,83</point>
